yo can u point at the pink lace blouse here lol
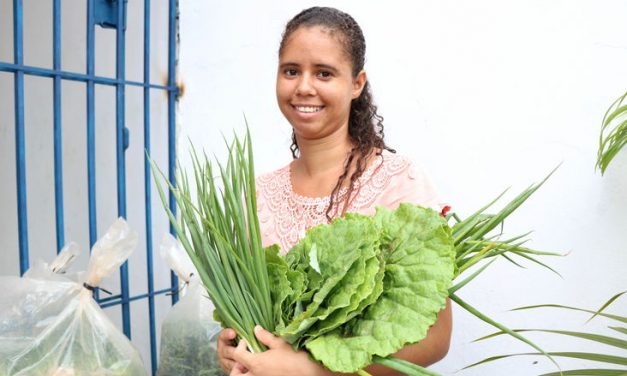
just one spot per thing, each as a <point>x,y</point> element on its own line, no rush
<point>284,215</point>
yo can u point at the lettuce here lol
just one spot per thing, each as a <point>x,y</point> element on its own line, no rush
<point>364,286</point>
<point>334,257</point>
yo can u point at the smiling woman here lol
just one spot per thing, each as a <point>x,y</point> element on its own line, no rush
<point>315,84</point>
<point>341,164</point>
<point>487,95</point>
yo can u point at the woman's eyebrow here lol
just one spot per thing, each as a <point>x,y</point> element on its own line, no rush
<point>288,64</point>
<point>326,66</point>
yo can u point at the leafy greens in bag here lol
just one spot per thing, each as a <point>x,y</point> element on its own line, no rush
<point>70,335</point>
<point>188,333</point>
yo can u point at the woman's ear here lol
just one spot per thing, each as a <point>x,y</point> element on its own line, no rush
<point>358,83</point>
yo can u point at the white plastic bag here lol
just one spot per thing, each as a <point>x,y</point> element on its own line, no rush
<point>58,267</point>
<point>28,303</point>
<point>188,334</point>
<point>70,335</point>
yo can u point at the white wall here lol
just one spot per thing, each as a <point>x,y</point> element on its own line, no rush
<point>487,95</point>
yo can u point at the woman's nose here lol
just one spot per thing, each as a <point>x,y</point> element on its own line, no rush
<point>305,86</point>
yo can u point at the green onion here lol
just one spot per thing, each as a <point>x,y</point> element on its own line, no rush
<point>220,232</point>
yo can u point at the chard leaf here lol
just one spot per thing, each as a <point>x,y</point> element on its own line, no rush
<point>418,252</point>
<point>313,258</point>
<point>280,288</point>
<point>362,290</point>
<point>342,249</point>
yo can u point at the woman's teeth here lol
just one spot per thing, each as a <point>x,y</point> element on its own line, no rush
<point>308,108</point>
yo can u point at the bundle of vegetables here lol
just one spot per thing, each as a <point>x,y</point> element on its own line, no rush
<point>350,292</point>
<point>363,286</point>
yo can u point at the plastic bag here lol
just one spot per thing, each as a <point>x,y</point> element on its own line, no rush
<point>57,269</point>
<point>69,334</point>
<point>32,301</point>
<point>188,334</point>
<point>58,266</point>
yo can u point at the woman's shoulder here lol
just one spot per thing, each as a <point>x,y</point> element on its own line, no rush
<point>396,166</point>
<point>279,174</point>
<point>396,178</point>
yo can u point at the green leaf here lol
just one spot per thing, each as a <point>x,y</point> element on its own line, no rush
<point>589,336</point>
<point>589,372</point>
<point>613,135</point>
<point>497,325</point>
<point>364,294</point>
<point>404,366</point>
<point>342,249</point>
<point>603,358</point>
<point>609,316</point>
<point>419,260</point>
<point>607,304</point>
<point>281,287</point>
<point>619,329</point>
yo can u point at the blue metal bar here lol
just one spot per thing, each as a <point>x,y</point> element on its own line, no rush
<point>147,190</point>
<point>58,144</point>
<point>71,76</point>
<point>172,123</point>
<point>20,152</point>
<point>121,145</point>
<point>137,297</point>
<point>110,298</point>
<point>91,133</point>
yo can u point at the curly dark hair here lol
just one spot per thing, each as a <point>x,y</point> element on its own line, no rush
<point>365,125</point>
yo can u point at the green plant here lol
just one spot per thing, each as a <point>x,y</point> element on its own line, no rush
<point>616,341</point>
<point>219,229</point>
<point>613,133</point>
<point>477,241</point>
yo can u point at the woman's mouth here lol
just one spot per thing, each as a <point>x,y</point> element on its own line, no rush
<point>308,109</point>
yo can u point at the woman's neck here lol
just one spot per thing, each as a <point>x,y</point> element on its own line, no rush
<point>323,156</point>
<point>321,162</point>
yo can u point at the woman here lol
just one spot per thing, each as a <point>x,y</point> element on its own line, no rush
<point>341,164</point>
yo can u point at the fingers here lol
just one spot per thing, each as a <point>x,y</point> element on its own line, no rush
<point>225,349</point>
<point>241,354</point>
<point>238,370</point>
<point>227,365</point>
<point>227,334</point>
<point>268,338</point>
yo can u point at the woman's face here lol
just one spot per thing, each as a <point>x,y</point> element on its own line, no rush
<point>315,85</point>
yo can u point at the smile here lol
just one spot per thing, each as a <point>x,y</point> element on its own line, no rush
<point>308,109</point>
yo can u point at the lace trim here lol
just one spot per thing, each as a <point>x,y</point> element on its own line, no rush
<point>293,214</point>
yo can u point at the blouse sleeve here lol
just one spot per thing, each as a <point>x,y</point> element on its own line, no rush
<point>415,186</point>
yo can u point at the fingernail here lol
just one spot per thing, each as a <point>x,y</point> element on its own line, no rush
<point>257,328</point>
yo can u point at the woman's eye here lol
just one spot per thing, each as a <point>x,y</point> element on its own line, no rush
<point>290,72</point>
<point>324,74</point>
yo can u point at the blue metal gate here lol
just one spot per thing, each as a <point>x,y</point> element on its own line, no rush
<point>108,14</point>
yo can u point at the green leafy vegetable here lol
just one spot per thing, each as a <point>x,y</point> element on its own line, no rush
<point>418,260</point>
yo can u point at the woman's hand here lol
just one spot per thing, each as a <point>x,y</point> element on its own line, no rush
<point>226,349</point>
<point>279,360</point>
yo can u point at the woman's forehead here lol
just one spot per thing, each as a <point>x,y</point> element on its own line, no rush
<point>322,41</point>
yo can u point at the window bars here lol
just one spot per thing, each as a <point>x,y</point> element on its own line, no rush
<point>105,13</point>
